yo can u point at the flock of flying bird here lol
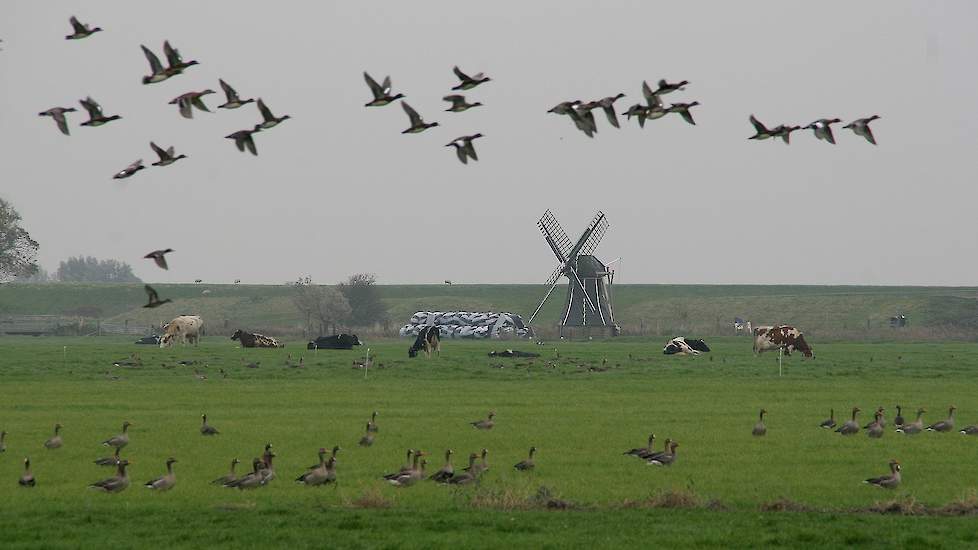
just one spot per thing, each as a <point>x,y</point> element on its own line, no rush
<point>186,103</point>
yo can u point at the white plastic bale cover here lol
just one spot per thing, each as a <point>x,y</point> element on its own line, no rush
<point>406,330</point>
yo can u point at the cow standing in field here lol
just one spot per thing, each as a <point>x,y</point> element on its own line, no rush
<point>255,340</point>
<point>782,337</point>
<point>428,340</point>
<point>185,329</point>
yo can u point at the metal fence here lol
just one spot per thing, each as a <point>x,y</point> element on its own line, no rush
<point>51,325</point>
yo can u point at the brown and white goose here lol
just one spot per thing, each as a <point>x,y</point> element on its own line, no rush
<point>851,426</point>
<point>317,475</point>
<point>970,430</point>
<point>120,440</point>
<point>27,478</point>
<point>252,480</point>
<point>914,427</point>
<point>466,476</point>
<point>528,464</point>
<point>665,450</point>
<point>667,458</point>
<point>408,466</point>
<point>944,425</point>
<point>58,114</point>
<point>166,481</point>
<point>890,481</point>
<point>55,441</point>
<point>447,471</point>
<point>486,424</point>
<point>830,423</point>
<point>406,479</point>
<point>875,428</point>
<point>760,429</point>
<point>882,421</point>
<point>368,438</point>
<point>117,483</point>
<point>642,452</point>
<point>109,460</point>
<point>231,476</point>
<point>482,466</point>
<point>233,100</point>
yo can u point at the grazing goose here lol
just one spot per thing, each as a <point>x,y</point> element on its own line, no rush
<point>316,475</point>
<point>468,475</point>
<point>81,29</point>
<point>177,64</point>
<point>851,426</point>
<point>368,438</point>
<point>382,93</point>
<point>166,481</point>
<point>252,480</point>
<point>642,452</point>
<point>468,82</point>
<point>447,471</point>
<point>270,120</point>
<point>914,427</point>
<point>109,460</point>
<point>830,423</point>
<point>158,256</point>
<point>189,101</point>
<point>120,440</point>
<point>418,124</point>
<point>128,171</point>
<point>822,129</point>
<point>784,132</point>
<point>759,428</point>
<point>898,421</point>
<point>459,104</point>
<point>3,443</point>
<point>205,428</point>
<point>231,476</point>
<point>243,139</point>
<point>372,425</point>
<point>167,157</point>
<point>486,424</point>
<point>656,108</point>
<point>944,425</point>
<point>666,458</point>
<point>875,428</point>
<point>666,87</point>
<point>861,128</point>
<point>760,130</point>
<point>27,478</point>
<point>233,101</point>
<point>970,430</point>
<point>154,298</point>
<point>464,148</point>
<point>527,464</point>
<point>95,116</point>
<point>55,441</point>
<point>683,110</point>
<point>117,483</point>
<point>58,114</point>
<point>889,481</point>
<point>608,106</point>
<point>157,72</point>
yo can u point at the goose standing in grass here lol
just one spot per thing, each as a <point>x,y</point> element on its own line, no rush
<point>666,458</point>
<point>447,471</point>
<point>81,30</point>
<point>875,428</point>
<point>468,475</point>
<point>244,139</point>
<point>167,157</point>
<point>970,430</point>
<point>667,87</point>
<point>268,470</point>
<point>407,467</point>
<point>898,421</point>
<point>120,440</point>
<point>367,439</point>
<point>759,428</point>
<point>372,425</point>
<point>109,460</point>
<point>914,427</point>
<point>3,442</point>
<point>158,256</point>
<point>464,148</point>
<point>176,63</point>
<point>607,105</point>
<point>316,475</point>
<point>481,466</point>
<point>760,130</point>
<point>231,476</point>
<point>166,481</point>
<point>27,478</point>
<point>861,128</point>
<point>232,100</point>
<point>117,483</point>
<point>486,424</point>
<point>128,171</point>
<point>890,481</point>
<point>642,452</point>
<point>191,100</point>
<point>58,114</point>
<point>205,428</point>
<point>822,129</point>
<point>830,423</point>
<point>468,82</point>
<point>851,426</point>
<point>269,120</point>
<point>683,110</point>
<point>55,441</point>
<point>95,116</point>
<point>528,464</point>
<point>944,425</point>
<point>381,92</point>
<point>665,450</point>
<point>877,419</point>
<point>406,479</point>
<point>252,480</point>
<point>418,124</point>
<point>459,104</point>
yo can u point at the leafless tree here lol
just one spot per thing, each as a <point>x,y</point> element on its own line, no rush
<point>322,306</point>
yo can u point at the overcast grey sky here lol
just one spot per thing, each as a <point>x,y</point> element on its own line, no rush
<point>338,189</point>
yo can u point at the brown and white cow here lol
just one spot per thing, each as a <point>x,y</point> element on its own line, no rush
<point>185,329</point>
<point>783,337</point>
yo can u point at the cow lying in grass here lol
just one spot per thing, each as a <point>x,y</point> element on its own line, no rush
<point>428,341</point>
<point>681,346</point>
<point>338,341</point>
<point>255,340</point>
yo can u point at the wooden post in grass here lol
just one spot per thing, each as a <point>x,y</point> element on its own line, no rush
<point>366,364</point>
<point>780,354</point>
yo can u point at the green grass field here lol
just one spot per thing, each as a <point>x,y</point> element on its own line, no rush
<point>579,419</point>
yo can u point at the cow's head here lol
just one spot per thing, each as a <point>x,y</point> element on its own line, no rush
<point>355,341</point>
<point>236,335</point>
<point>413,352</point>
<point>166,340</point>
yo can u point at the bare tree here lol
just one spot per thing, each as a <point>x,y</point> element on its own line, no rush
<point>363,295</point>
<point>18,251</point>
<point>321,305</point>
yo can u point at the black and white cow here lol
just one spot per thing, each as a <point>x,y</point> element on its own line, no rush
<point>681,346</point>
<point>255,340</point>
<point>428,340</point>
<point>338,341</point>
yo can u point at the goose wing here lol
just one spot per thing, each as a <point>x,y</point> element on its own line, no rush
<point>456,99</point>
<point>469,149</point>
<point>92,106</point>
<point>758,125</point>
<point>164,155</point>
<point>150,292</point>
<point>266,113</point>
<point>186,107</point>
<point>59,117</point>
<point>77,25</point>
<point>375,88</point>
<point>412,114</point>
<point>172,55</point>
<point>461,76</point>
<point>198,102</point>
<point>609,112</point>
<point>154,62</point>
<point>650,96</point>
<point>228,91</point>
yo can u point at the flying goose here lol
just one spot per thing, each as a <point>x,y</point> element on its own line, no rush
<point>167,157</point>
<point>468,475</point>
<point>784,132</point>
<point>109,460</point>
<point>875,428</point>
<point>683,110</point>
<point>830,423</point>
<point>760,130</point>
<point>464,148</point>
<point>190,100</point>
<point>55,441</point>
<point>233,101</point>
<point>157,72</point>
<point>317,475</point>
<point>914,427</point>
<point>459,104</point>
<point>851,426</point>
<point>898,421</point>
<point>527,464</point>
<point>468,82</point>
<point>154,298</point>
<point>372,425</point>
<point>666,87</point>
<point>128,171</point>
<point>368,438</point>
<point>382,93</point>
<point>638,110</point>
<point>231,476</point>
<point>205,428</point>
<point>243,139</point>
<point>447,471</point>
<point>27,478</point>
<point>564,107</point>
<point>656,109</point>
<point>95,116</point>
<point>759,428</point>
<point>251,480</point>
<point>944,425</point>
<point>861,128</point>
<point>177,64</point>
<point>120,440</point>
<point>81,29</point>
<point>118,482</point>
<point>418,124</point>
<point>58,114</point>
<point>583,118</point>
<point>889,481</point>
<point>486,424</point>
<point>166,481</point>
<point>608,106</point>
<point>666,458</point>
<point>970,430</point>
<point>642,452</point>
<point>270,120</point>
<point>158,256</point>
<point>822,129</point>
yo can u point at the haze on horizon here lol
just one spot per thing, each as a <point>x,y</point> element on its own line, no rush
<point>337,189</point>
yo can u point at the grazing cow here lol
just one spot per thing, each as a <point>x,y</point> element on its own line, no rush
<point>782,337</point>
<point>255,340</point>
<point>681,346</point>
<point>185,328</point>
<point>338,341</point>
<point>427,340</point>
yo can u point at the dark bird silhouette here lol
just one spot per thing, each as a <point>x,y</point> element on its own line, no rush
<point>243,139</point>
<point>95,116</point>
<point>683,110</point>
<point>418,124</point>
<point>154,298</point>
<point>459,104</point>
<point>167,157</point>
<point>58,114</point>
<point>233,100</point>
<point>128,171</point>
<point>159,256</point>
<point>270,120</point>
<point>666,87</point>
<point>81,30</point>
<point>861,128</point>
<point>760,130</point>
<point>188,101</point>
<point>468,82</point>
<point>464,148</point>
<point>822,129</point>
<point>381,92</point>
<point>176,63</point>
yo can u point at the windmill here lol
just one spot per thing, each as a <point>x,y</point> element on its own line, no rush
<point>589,281</point>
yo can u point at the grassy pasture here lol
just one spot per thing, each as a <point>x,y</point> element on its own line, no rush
<point>580,420</point>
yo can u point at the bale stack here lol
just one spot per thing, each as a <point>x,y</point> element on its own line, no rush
<point>468,324</point>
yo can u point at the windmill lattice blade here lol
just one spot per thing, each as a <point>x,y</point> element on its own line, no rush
<point>557,274</point>
<point>599,226</point>
<point>555,235</point>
